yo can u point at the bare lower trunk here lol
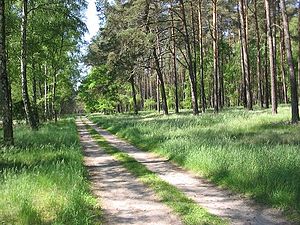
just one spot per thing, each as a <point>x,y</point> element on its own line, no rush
<point>258,58</point>
<point>282,61</point>
<point>244,34</point>
<point>25,96</point>
<point>174,53</point>
<point>271,58</point>
<point>293,81</point>
<point>135,107</point>
<point>53,109</point>
<point>192,76</point>
<point>216,57</point>
<point>5,91</point>
<point>202,92</point>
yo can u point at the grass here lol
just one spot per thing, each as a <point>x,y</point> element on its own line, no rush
<point>191,213</point>
<point>254,153</point>
<point>43,180</point>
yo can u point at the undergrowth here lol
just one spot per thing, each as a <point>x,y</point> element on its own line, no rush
<point>43,180</point>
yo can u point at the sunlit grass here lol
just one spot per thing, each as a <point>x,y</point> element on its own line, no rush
<point>190,212</point>
<point>43,180</point>
<point>254,153</point>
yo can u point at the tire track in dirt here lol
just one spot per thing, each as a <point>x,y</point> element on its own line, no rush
<point>123,198</point>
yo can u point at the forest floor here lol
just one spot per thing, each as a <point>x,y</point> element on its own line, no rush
<point>217,201</point>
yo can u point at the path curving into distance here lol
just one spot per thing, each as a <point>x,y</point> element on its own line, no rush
<point>124,200</point>
<point>220,202</point>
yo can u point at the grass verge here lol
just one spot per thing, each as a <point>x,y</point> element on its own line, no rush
<point>43,180</point>
<point>254,153</point>
<point>189,211</point>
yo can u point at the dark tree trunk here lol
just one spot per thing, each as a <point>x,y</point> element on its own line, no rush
<point>216,57</point>
<point>243,80</point>
<point>135,107</point>
<point>5,91</point>
<point>34,96</point>
<point>174,53</point>
<point>293,81</point>
<point>299,48</point>
<point>282,62</point>
<point>161,81</point>
<point>258,58</point>
<point>244,34</point>
<point>266,74</point>
<point>25,96</point>
<point>271,58</point>
<point>53,106</point>
<point>192,76</point>
<point>202,92</point>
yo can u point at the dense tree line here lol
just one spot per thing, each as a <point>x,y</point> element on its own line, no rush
<point>39,59</point>
<point>196,54</point>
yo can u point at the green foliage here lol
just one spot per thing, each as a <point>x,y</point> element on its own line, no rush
<point>43,180</point>
<point>250,152</point>
<point>99,90</point>
<point>149,104</point>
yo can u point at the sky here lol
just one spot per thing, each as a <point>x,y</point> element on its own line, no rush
<point>92,20</point>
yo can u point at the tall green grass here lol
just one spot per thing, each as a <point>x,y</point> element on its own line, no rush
<point>43,180</point>
<point>254,153</point>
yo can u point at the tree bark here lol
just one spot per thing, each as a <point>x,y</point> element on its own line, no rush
<point>135,107</point>
<point>244,32</point>
<point>282,62</point>
<point>192,76</point>
<point>202,92</point>
<point>25,96</point>
<point>293,81</point>
<point>34,96</point>
<point>271,58</point>
<point>216,57</point>
<point>174,53</point>
<point>258,58</point>
<point>266,75</point>
<point>5,91</point>
<point>299,48</point>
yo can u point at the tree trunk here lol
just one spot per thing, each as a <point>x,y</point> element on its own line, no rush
<point>161,81</point>
<point>192,76</point>
<point>216,57</point>
<point>5,91</point>
<point>266,75</point>
<point>174,53</point>
<point>244,32</point>
<point>299,48</point>
<point>53,109</point>
<point>293,81</point>
<point>282,62</point>
<point>202,92</point>
<point>25,96</point>
<point>34,96</point>
<point>135,107</point>
<point>258,58</point>
<point>271,58</point>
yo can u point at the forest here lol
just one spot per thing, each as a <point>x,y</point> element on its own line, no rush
<point>203,92</point>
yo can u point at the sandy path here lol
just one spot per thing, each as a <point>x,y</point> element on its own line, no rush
<point>238,210</point>
<point>124,200</point>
